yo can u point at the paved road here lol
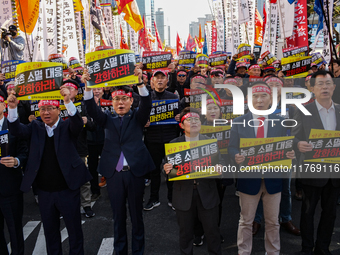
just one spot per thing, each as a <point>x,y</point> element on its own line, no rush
<point>161,229</point>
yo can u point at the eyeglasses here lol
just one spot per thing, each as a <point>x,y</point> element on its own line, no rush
<point>193,119</point>
<point>123,99</point>
<point>328,83</point>
<point>181,75</point>
<point>47,109</point>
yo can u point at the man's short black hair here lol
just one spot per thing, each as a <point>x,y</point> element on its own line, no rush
<point>336,61</point>
<point>187,110</point>
<point>320,72</point>
<point>126,89</point>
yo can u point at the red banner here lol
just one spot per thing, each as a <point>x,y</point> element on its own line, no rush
<point>259,25</point>
<point>300,33</point>
<point>214,37</point>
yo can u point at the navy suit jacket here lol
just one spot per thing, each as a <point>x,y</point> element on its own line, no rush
<point>126,138</point>
<point>252,186</point>
<point>65,140</point>
<point>10,177</point>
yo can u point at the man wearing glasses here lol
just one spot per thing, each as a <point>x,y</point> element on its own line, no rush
<point>195,198</point>
<point>325,115</point>
<point>125,159</point>
<point>55,166</point>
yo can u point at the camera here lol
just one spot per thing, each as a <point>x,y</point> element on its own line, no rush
<point>4,33</point>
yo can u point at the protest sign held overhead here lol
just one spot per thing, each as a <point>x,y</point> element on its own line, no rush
<point>187,58</point>
<point>202,60</point>
<point>38,81</point>
<point>163,112</point>
<point>156,59</point>
<point>110,68</point>
<point>218,60</point>
<point>8,68</point>
<point>74,64</point>
<point>296,67</point>
<point>243,51</point>
<point>295,52</point>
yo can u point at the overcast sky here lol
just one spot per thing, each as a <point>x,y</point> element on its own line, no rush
<point>178,14</point>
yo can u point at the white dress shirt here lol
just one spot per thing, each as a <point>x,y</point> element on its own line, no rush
<point>142,92</point>
<point>258,123</point>
<point>71,109</point>
<point>328,117</point>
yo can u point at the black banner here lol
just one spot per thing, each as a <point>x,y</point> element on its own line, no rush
<point>40,83</point>
<point>156,60</point>
<point>295,52</point>
<point>187,58</point>
<point>163,112</point>
<point>4,143</point>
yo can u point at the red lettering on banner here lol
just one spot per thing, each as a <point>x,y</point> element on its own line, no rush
<point>300,33</point>
<point>98,77</point>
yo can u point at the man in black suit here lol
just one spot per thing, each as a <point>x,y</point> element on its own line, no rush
<point>325,115</point>
<point>55,166</point>
<point>11,198</point>
<point>124,160</point>
<point>195,198</point>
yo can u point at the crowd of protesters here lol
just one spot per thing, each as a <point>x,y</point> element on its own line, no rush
<point>58,158</point>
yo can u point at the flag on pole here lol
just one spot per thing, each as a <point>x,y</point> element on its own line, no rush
<point>159,41</point>
<point>200,39</point>
<point>190,43</point>
<point>78,6</point>
<point>318,5</point>
<point>132,15</point>
<point>258,28</point>
<point>123,44</point>
<point>143,39</point>
<point>179,46</point>
<point>205,45</point>
<point>29,11</point>
<point>121,4</point>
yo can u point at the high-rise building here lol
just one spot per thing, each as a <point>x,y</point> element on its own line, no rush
<point>194,25</point>
<point>153,17</point>
<point>144,7</point>
<point>169,39</point>
<point>194,29</point>
<point>160,23</point>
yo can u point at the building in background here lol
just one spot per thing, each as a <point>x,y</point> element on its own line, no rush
<point>194,25</point>
<point>153,17</point>
<point>169,38</point>
<point>145,10</point>
<point>160,23</point>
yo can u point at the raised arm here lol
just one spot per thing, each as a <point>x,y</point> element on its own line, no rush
<point>93,110</point>
<point>17,129</point>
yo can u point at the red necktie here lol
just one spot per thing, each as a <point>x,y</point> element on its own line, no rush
<point>260,130</point>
